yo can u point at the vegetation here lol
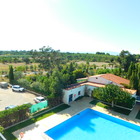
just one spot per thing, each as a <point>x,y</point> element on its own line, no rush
<point>14,115</point>
<point>114,95</point>
<point>121,110</point>
<point>125,59</point>
<point>98,103</point>
<point>116,109</point>
<point>134,76</point>
<point>47,57</point>
<point>1,129</point>
<point>11,74</point>
<point>8,132</point>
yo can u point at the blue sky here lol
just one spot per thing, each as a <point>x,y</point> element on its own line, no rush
<point>70,25</point>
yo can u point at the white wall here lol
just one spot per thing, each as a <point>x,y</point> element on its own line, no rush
<point>90,89</point>
<point>134,95</point>
<point>74,92</point>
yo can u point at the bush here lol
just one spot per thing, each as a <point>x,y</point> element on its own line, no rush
<point>14,115</point>
<point>1,129</point>
<point>24,82</point>
<point>114,95</point>
<point>54,101</point>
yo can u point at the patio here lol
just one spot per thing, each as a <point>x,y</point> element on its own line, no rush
<point>36,130</point>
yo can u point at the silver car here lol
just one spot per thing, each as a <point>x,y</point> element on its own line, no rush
<point>39,99</point>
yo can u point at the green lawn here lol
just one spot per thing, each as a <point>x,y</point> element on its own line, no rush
<point>98,103</point>
<point>116,109</point>
<point>8,132</point>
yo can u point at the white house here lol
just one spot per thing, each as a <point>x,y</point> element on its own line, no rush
<point>80,89</point>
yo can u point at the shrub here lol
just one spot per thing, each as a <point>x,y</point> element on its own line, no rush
<point>1,129</point>
<point>114,95</point>
<point>14,115</point>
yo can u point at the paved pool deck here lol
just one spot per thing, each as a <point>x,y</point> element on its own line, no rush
<point>36,131</point>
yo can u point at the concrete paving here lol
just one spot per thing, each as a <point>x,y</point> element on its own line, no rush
<point>8,97</point>
<point>134,112</point>
<point>36,130</point>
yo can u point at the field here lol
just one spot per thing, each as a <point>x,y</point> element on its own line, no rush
<point>5,67</point>
<point>98,64</point>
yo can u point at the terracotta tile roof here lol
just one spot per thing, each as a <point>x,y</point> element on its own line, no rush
<point>115,79</point>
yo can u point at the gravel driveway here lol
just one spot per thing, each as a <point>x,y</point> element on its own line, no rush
<point>8,97</point>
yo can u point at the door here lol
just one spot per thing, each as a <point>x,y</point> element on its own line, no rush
<point>70,97</point>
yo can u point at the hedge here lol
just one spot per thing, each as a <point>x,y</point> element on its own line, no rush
<point>14,115</point>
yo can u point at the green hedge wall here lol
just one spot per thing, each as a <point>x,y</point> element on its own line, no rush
<point>14,115</point>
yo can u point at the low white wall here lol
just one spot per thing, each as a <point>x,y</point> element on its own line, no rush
<point>90,89</point>
<point>74,93</point>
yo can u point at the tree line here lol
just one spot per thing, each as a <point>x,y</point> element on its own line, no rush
<point>25,56</point>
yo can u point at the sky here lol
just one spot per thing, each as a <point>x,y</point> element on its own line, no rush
<point>85,26</point>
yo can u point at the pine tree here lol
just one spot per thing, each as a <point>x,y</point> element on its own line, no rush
<point>131,68</point>
<point>11,74</point>
<point>134,80</point>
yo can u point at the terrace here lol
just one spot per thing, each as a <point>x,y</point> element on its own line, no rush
<point>36,130</point>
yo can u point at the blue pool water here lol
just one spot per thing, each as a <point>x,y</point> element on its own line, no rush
<point>93,125</point>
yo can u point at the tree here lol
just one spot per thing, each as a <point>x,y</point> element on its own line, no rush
<point>125,59</point>
<point>18,75</point>
<point>56,88</point>
<point>114,95</point>
<point>79,74</point>
<point>11,74</point>
<point>130,70</point>
<point>47,57</point>
<point>26,60</point>
<point>24,82</point>
<point>37,86</point>
<point>134,80</point>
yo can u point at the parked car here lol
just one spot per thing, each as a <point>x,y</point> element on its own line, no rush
<point>39,99</point>
<point>17,88</point>
<point>3,84</point>
<point>10,106</point>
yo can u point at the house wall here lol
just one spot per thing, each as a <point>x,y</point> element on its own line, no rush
<point>89,89</point>
<point>134,95</point>
<point>74,92</point>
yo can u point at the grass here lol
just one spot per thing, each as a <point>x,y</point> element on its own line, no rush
<point>138,115</point>
<point>40,111</point>
<point>116,109</point>
<point>8,132</point>
<point>5,67</point>
<point>98,103</point>
<point>99,64</point>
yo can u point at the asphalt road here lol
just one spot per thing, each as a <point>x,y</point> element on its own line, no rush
<point>8,97</point>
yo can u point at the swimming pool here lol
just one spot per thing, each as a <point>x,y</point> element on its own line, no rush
<point>93,125</point>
